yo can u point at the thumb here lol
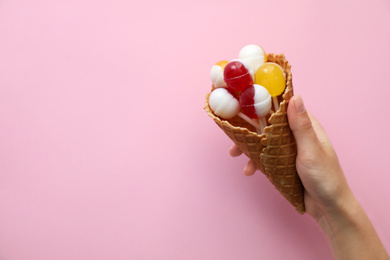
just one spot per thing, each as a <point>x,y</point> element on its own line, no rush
<point>301,125</point>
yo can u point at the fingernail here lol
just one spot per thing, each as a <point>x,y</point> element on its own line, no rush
<point>299,106</point>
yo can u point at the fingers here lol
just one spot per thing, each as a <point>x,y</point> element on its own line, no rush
<point>250,169</point>
<point>235,151</point>
<point>301,125</point>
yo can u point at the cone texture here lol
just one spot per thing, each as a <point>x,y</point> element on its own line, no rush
<point>273,152</point>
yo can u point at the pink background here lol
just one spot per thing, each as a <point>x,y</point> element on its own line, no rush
<point>106,152</point>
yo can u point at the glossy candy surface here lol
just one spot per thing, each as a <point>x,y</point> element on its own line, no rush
<point>255,101</point>
<point>271,76</point>
<point>216,74</point>
<point>237,75</point>
<point>223,103</point>
<point>254,55</point>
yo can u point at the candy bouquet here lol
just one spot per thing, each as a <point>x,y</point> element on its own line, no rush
<point>248,101</point>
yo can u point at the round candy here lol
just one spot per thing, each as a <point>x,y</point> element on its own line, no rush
<point>255,101</point>
<point>237,75</point>
<point>254,55</point>
<point>216,74</point>
<point>223,103</point>
<point>271,76</point>
<point>222,63</point>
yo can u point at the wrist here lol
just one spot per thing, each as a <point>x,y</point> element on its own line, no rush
<point>340,215</point>
<point>350,233</point>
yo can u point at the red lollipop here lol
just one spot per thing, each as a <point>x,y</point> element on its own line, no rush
<point>256,103</point>
<point>237,75</point>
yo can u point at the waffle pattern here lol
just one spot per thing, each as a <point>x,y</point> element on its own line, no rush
<point>273,152</point>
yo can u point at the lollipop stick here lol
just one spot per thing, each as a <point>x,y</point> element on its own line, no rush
<point>262,124</point>
<point>276,103</point>
<point>246,118</point>
<point>264,121</point>
<point>259,130</point>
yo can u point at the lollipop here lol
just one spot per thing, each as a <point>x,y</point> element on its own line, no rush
<point>271,76</point>
<point>216,74</point>
<point>237,75</point>
<point>224,104</point>
<point>254,55</point>
<point>256,103</point>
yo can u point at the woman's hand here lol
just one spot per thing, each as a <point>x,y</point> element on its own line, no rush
<point>317,163</point>
<point>328,197</point>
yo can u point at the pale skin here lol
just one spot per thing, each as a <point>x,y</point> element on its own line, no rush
<point>328,197</point>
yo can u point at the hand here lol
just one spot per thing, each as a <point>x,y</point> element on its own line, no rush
<point>328,197</point>
<point>250,167</point>
<point>317,163</point>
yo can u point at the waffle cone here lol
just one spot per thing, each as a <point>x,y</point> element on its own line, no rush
<point>273,152</point>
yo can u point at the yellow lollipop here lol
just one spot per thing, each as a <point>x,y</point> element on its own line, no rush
<point>271,76</point>
<point>222,63</point>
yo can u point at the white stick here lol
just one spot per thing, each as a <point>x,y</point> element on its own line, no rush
<point>262,124</point>
<point>246,118</point>
<point>260,129</point>
<point>276,103</point>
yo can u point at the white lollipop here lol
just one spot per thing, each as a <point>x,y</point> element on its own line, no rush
<point>216,74</point>
<point>226,106</point>
<point>254,55</point>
